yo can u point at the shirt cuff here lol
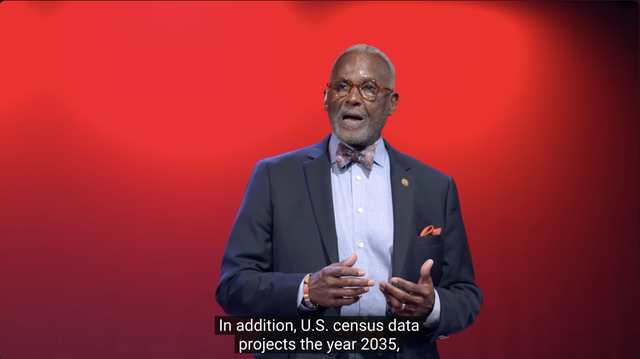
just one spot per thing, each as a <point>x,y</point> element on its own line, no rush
<point>433,320</point>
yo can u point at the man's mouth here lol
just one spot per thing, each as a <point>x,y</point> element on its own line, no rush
<point>353,121</point>
<point>352,118</point>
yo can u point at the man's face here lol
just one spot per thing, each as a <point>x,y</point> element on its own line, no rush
<point>356,121</point>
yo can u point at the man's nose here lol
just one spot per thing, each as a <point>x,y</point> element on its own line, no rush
<point>353,97</point>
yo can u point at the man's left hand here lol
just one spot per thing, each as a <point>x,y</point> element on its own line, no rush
<point>418,299</point>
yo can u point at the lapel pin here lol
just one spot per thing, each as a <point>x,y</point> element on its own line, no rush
<point>405,182</point>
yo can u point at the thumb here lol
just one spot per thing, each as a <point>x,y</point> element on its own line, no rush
<point>349,262</point>
<point>425,272</point>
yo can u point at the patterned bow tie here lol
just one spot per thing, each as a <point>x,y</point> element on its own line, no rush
<point>345,155</point>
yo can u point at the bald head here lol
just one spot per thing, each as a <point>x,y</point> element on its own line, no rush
<point>371,50</point>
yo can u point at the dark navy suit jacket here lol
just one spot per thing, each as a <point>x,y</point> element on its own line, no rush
<point>285,229</point>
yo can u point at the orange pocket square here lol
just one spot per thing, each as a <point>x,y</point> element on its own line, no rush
<point>430,231</point>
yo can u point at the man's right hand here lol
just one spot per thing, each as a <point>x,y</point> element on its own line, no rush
<point>327,286</point>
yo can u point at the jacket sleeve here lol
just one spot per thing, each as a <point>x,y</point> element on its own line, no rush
<point>248,284</point>
<point>460,297</point>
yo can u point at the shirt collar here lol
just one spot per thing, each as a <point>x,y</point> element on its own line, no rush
<point>380,153</point>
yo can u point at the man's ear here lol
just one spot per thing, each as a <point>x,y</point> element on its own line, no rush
<point>324,103</point>
<point>394,103</point>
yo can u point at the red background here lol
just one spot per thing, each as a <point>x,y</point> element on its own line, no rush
<point>128,132</point>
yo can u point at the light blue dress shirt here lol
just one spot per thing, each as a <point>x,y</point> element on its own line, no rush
<point>363,212</point>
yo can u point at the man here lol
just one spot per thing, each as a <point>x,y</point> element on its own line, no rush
<point>350,212</point>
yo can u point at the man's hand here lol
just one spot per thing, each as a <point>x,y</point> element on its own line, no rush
<point>418,301</point>
<point>327,286</point>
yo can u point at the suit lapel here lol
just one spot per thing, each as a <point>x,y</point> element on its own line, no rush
<point>318,176</point>
<point>402,193</point>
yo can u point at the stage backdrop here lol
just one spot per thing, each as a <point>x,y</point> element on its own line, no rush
<point>129,130</point>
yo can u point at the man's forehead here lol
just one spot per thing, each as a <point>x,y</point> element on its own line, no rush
<point>363,63</point>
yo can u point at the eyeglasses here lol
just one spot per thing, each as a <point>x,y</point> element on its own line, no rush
<point>368,89</point>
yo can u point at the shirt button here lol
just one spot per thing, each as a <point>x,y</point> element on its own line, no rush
<point>358,177</point>
<point>360,210</point>
<point>361,245</point>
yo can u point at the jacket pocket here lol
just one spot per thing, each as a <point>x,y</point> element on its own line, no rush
<point>430,240</point>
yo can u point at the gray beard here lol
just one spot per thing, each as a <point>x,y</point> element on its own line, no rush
<point>366,136</point>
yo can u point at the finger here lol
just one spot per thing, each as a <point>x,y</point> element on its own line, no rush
<point>405,284</point>
<point>349,292</point>
<point>355,282</point>
<point>349,262</point>
<point>346,272</point>
<point>425,272</point>
<point>392,301</point>
<point>346,301</point>
<point>395,306</point>
<point>398,294</point>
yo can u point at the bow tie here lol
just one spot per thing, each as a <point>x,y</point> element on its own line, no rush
<point>345,155</point>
